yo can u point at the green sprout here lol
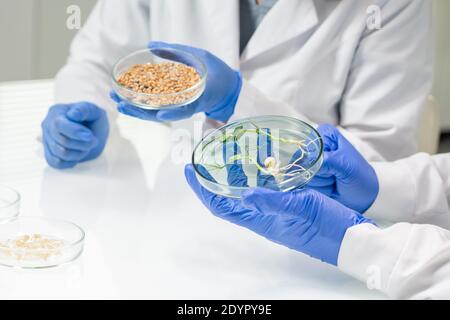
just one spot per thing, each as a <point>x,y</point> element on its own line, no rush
<point>271,165</point>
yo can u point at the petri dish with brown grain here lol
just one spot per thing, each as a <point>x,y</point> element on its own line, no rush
<point>160,78</point>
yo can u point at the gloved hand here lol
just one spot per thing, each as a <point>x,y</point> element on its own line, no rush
<point>303,220</point>
<point>345,175</point>
<point>74,133</point>
<point>223,86</point>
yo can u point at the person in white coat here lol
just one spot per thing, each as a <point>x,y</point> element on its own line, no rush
<point>318,60</point>
<point>410,259</point>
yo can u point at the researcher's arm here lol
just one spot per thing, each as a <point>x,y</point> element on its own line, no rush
<point>303,220</point>
<point>414,189</point>
<point>387,87</point>
<point>114,28</point>
<point>405,261</point>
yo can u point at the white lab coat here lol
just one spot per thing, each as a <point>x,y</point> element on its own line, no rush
<point>408,260</point>
<point>313,59</point>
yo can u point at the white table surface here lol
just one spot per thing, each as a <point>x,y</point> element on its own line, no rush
<point>147,236</point>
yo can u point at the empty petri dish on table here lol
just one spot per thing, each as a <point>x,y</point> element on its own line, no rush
<point>9,203</point>
<point>275,152</point>
<point>39,242</point>
<point>160,78</point>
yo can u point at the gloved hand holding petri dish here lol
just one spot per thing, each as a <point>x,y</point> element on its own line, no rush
<point>169,82</point>
<point>154,79</point>
<point>274,152</point>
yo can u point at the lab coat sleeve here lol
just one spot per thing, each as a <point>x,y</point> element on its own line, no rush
<point>405,261</point>
<point>415,189</point>
<point>114,29</point>
<point>390,80</point>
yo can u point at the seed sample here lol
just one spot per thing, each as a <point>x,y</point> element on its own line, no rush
<point>163,83</point>
<point>31,247</point>
<point>39,242</point>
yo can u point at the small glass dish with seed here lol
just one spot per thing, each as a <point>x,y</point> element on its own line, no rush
<point>38,242</point>
<point>161,78</point>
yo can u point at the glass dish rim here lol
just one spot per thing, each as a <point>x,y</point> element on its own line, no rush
<point>17,199</point>
<point>53,220</point>
<point>157,95</point>
<point>252,118</point>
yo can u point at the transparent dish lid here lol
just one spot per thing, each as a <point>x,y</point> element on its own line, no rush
<point>9,203</point>
<point>274,152</point>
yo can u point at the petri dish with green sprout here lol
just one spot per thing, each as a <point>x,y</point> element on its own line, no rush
<point>275,152</point>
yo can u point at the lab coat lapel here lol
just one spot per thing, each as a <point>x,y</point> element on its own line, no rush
<point>285,21</point>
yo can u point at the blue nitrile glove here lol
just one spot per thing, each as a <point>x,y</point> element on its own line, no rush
<point>223,86</point>
<point>74,133</point>
<point>303,220</point>
<point>345,175</point>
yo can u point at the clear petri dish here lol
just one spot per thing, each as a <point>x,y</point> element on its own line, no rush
<point>38,242</point>
<point>9,203</point>
<point>165,100</point>
<point>274,152</point>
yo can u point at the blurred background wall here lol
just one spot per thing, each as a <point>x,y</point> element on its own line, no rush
<point>35,35</point>
<point>35,42</point>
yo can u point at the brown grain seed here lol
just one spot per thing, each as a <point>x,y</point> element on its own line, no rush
<point>160,79</point>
